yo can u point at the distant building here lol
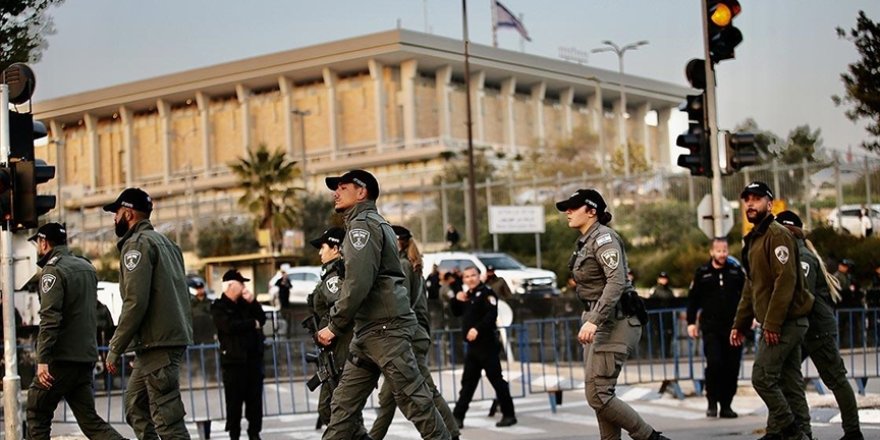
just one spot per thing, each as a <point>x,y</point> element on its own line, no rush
<point>391,102</point>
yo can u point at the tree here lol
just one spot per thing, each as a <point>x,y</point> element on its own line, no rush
<point>227,237</point>
<point>861,83</point>
<point>637,162</point>
<point>267,179</point>
<point>802,143</point>
<point>571,156</point>
<point>23,27</point>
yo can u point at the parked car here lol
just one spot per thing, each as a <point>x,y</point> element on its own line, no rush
<point>522,280</point>
<point>850,221</point>
<point>303,280</point>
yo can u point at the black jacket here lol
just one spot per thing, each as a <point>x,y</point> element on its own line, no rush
<point>480,312</point>
<point>240,339</point>
<point>716,292</point>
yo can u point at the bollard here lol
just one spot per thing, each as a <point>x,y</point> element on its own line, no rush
<point>204,428</point>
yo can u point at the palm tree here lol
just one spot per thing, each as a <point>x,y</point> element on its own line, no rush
<point>267,178</point>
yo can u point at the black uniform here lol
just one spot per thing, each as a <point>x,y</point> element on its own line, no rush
<point>480,312</point>
<point>717,293</point>
<point>241,359</point>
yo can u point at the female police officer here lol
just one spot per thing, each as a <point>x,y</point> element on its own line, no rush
<point>612,327</point>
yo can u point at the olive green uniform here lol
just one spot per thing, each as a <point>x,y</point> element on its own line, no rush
<point>375,303</point>
<point>156,324</point>
<point>774,294</point>
<point>68,290</point>
<point>820,345</point>
<point>599,267</point>
<point>421,344</point>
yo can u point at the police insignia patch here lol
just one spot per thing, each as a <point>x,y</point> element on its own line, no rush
<point>806,267</point>
<point>46,282</point>
<point>781,254</point>
<point>131,259</point>
<point>493,301</point>
<point>333,284</point>
<point>359,238</point>
<point>611,258</point>
<point>603,239</point>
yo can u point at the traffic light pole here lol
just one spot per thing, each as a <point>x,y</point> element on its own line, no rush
<point>712,127</point>
<point>11,380</point>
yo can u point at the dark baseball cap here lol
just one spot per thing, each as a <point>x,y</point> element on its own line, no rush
<point>332,236</point>
<point>789,218</point>
<point>490,268</point>
<point>401,232</point>
<point>757,188</point>
<point>358,177</point>
<point>663,275</point>
<point>134,198</point>
<point>848,262</point>
<point>53,232</point>
<point>585,196</point>
<point>234,275</point>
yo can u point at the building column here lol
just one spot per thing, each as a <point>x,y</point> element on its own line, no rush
<point>165,122</point>
<point>664,115</point>
<point>597,111</point>
<point>286,89</point>
<point>203,102</point>
<point>377,74</point>
<point>244,94</point>
<point>621,124</point>
<point>408,74</point>
<point>127,144</point>
<point>443,78</point>
<point>508,91</point>
<point>94,162</point>
<point>539,91</point>
<point>566,99</point>
<point>642,133</point>
<point>330,81</point>
<point>478,81</point>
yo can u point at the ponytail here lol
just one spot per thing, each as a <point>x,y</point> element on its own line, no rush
<point>833,282</point>
<point>605,217</point>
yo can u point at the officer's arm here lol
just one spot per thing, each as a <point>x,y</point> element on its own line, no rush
<point>456,306</point>
<point>51,303</point>
<point>695,299</point>
<point>488,323</point>
<point>319,305</point>
<point>417,298</point>
<point>361,270</point>
<point>609,256</point>
<point>784,270</point>
<point>135,285</point>
<point>257,312</point>
<point>744,312</point>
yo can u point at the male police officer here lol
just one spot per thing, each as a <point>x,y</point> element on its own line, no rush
<point>374,301</point>
<point>715,293</point>
<point>66,345</point>
<point>774,294</point>
<point>155,321</point>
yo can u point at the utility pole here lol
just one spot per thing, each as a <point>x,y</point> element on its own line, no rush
<point>473,229</point>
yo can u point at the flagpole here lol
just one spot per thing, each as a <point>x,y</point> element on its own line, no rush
<point>522,40</point>
<point>494,10</point>
<point>473,231</point>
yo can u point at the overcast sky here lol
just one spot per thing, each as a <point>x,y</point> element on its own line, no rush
<point>784,74</point>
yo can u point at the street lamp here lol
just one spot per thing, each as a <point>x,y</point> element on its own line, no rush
<point>612,47</point>
<point>302,140</point>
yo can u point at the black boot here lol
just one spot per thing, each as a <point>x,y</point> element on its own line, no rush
<point>727,413</point>
<point>712,409</point>
<point>506,421</point>
<point>853,436</point>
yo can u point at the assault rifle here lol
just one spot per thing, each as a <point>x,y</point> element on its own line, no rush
<point>322,358</point>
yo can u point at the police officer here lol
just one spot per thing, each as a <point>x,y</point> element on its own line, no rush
<point>411,262</point>
<point>497,284</point>
<point>374,301</point>
<point>478,308</point>
<point>204,330</point>
<point>609,332</point>
<point>820,342</point>
<point>715,293</point>
<point>774,295</point>
<point>239,320</point>
<point>66,346</point>
<point>155,321</point>
<point>321,300</point>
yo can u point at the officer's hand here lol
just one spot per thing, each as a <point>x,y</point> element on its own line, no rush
<point>461,296</point>
<point>771,338</point>
<point>325,336</point>
<point>736,339</point>
<point>44,377</point>
<point>110,363</point>
<point>693,332</point>
<point>587,332</point>
<point>247,295</point>
<point>472,335</point>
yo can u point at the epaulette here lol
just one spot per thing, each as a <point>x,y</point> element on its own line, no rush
<point>53,260</point>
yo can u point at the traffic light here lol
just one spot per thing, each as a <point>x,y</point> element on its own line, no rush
<point>723,35</point>
<point>5,193</point>
<point>696,138</point>
<point>741,151</point>
<point>23,206</point>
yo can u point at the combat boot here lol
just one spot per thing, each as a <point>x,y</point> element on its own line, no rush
<point>727,413</point>
<point>853,436</point>
<point>658,436</point>
<point>506,421</point>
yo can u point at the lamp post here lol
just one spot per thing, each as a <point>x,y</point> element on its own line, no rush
<point>302,141</point>
<point>610,46</point>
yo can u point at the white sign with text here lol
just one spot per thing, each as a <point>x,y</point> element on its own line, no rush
<point>516,220</point>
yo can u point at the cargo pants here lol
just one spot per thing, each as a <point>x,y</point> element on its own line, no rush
<point>777,377</point>
<point>153,405</point>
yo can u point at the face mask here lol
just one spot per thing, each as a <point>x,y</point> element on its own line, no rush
<point>121,228</point>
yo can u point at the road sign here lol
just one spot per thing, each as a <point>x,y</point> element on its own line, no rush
<point>704,216</point>
<point>516,219</point>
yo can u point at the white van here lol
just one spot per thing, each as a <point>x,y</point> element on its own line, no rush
<point>522,280</point>
<point>850,222</point>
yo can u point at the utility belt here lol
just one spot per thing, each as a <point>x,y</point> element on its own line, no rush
<point>630,304</point>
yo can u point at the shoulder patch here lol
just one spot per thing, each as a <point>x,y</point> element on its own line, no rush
<point>611,258</point>
<point>806,267</point>
<point>603,239</point>
<point>131,259</point>
<point>332,284</point>
<point>781,254</point>
<point>359,238</point>
<point>47,281</point>
<point>492,300</point>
